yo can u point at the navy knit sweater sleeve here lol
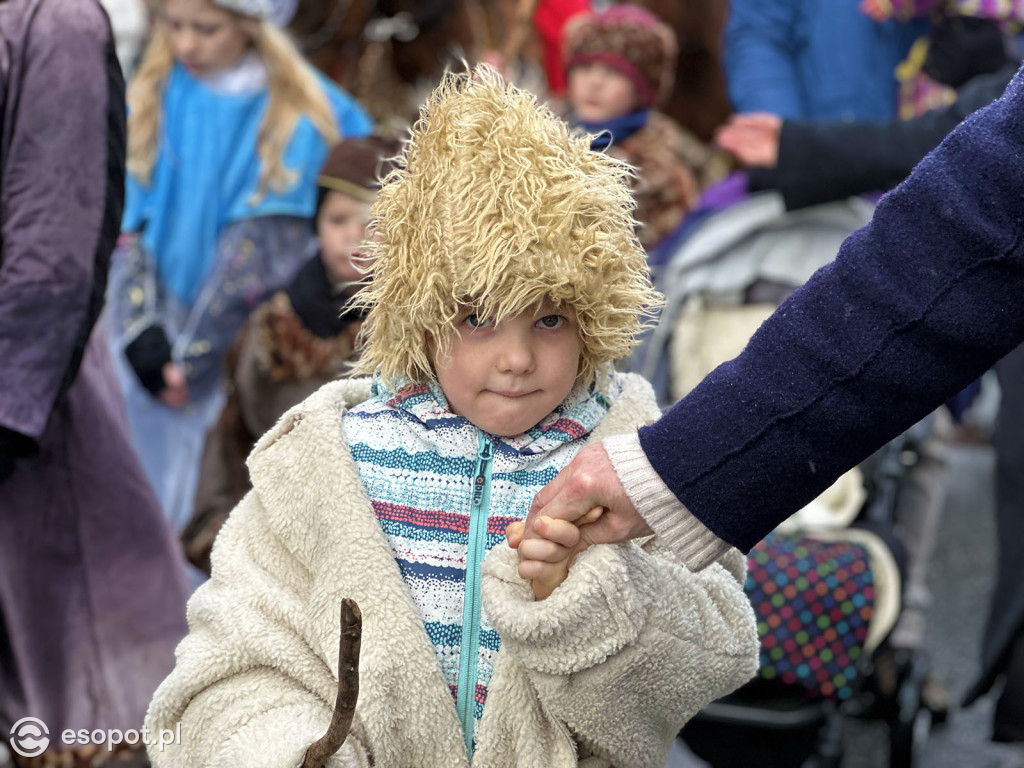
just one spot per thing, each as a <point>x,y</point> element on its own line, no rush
<point>917,305</point>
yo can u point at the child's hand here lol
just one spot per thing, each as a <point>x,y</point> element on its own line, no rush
<point>175,393</point>
<point>879,10</point>
<point>544,559</point>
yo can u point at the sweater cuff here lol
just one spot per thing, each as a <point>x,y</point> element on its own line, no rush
<point>676,528</point>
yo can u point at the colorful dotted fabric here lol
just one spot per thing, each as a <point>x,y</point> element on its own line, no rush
<point>813,601</point>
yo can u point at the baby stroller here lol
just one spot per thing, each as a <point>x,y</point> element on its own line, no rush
<point>826,585</point>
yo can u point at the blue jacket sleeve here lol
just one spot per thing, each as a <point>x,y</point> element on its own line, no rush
<point>760,57</point>
<point>918,304</point>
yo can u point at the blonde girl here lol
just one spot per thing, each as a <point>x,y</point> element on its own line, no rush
<point>227,129</point>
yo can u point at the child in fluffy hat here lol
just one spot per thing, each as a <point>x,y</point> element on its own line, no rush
<point>506,280</point>
<point>619,64</point>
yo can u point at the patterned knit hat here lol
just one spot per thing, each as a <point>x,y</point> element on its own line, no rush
<point>629,39</point>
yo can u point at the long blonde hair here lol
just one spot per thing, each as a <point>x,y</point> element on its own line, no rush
<point>294,91</point>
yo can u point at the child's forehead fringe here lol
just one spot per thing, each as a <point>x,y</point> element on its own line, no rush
<point>502,306</point>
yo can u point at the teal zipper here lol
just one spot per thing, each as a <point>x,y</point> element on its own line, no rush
<point>469,650</point>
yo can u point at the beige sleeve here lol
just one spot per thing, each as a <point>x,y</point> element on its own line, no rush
<point>248,688</point>
<point>676,528</point>
<point>629,647</point>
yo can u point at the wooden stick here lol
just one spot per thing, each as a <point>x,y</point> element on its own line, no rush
<point>321,750</point>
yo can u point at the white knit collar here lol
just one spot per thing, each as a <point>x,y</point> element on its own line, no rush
<point>249,75</point>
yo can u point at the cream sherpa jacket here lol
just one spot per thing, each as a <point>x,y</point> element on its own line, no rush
<point>602,673</point>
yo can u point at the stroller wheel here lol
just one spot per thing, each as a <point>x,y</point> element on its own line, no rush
<point>911,724</point>
<point>907,740</point>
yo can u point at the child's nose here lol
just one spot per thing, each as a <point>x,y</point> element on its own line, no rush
<point>186,44</point>
<point>516,357</point>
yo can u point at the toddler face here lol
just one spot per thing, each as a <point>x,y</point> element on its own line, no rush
<point>341,225</point>
<point>205,39</point>
<point>598,92</point>
<point>506,378</point>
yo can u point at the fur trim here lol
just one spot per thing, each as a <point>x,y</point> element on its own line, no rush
<point>495,205</point>
<point>289,352</point>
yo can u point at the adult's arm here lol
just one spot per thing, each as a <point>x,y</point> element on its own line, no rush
<point>62,191</point>
<point>759,57</point>
<point>822,162</point>
<point>918,303</point>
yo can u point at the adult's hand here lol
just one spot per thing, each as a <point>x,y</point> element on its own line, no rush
<point>879,11</point>
<point>753,138</point>
<point>589,481</point>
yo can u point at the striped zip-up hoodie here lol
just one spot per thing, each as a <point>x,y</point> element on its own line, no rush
<point>444,492</point>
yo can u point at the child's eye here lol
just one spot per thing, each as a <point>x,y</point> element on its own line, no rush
<point>550,322</point>
<point>475,321</point>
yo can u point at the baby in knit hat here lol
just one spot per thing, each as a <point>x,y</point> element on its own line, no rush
<point>506,277</point>
<point>620,64</point>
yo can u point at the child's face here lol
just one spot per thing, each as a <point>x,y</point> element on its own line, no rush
<point>598,92</point>
<point>341,225</point>
<point>205,39</point>
<point>506,378</point>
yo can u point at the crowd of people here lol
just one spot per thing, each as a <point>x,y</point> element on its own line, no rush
<point>262,353</point>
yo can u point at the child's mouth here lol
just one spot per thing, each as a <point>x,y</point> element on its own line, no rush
<point>513,394</point>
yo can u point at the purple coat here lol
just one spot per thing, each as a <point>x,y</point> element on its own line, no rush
<point>91,587</point>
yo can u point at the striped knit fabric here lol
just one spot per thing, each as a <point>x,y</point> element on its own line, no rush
<point>417,462</point>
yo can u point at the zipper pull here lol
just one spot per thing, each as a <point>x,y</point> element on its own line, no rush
<point>483,455</point>
<point>485,450</point>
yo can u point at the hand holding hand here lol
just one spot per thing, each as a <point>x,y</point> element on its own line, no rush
<point>544,559</point>
<point>589,481</point>
<point>753,138</point>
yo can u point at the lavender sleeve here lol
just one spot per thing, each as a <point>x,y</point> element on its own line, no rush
<point>60,202</point>
<point>917,305</point>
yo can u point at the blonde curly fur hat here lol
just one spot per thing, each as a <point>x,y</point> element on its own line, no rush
<point>494,205</point>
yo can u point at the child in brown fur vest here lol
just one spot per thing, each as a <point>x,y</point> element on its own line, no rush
<point>293,343</point>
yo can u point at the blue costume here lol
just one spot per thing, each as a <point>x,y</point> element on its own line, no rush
<point>202,249</point>
<point>814,60</point>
